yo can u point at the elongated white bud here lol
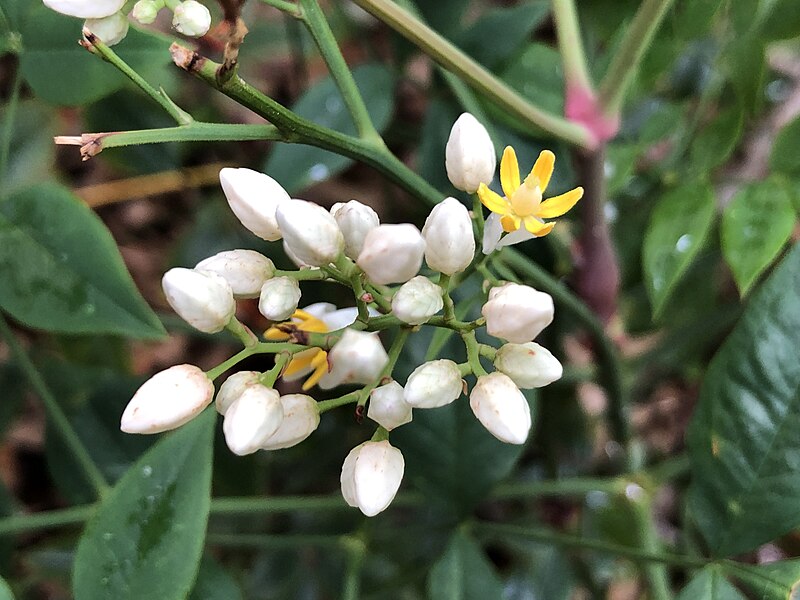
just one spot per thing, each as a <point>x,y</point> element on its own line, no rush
<point>111,29</point>
<point>469,155</point>
<point>204,300</point>
<point>387,406</point>
<point>517,313</point>
<point>433,384</point>
<point>392,253</point>
<point>251,419</point>
<point>254,198</point>
<point>86,9</point>
<point>449,242</point>
<point>300,420</point>
<point>355,220</point>
<point>528,365</point>
<point>145,11</point>
<point>233,388</point>
<point>501,408</point>
<point>310,232</point>
<point>358,357</point>
<point>279,298</point>
<point>371,476</point>
<point>244,270</point>
<point>168,400</point>
<point>191,18</point>
<point>417,300</point>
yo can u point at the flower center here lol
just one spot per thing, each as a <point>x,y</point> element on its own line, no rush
<point>526,200</point>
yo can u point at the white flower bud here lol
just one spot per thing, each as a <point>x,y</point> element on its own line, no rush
<point>469,155</point>
<point>111,29</point>
<point>191,18</point>
<point>279,298</point>
<point>233,387</point>
<point>501,408</point>
<point>168,400</point>
<point>300,420</point>
<point>528,365</point>
<point>204,300</point>
<point>449,242</point>
<point>355,220</point>
<point>145,11</point>
<point>517,313</point>
<point>310,232</point>
<point>86,9</point>
<point>433,384</point>
<point>251,419</point>
<point>254,198</point>
<point>358,357</point>
<point>417,300</point>
<point>387,407</point>
<point>371,476</point>
<point>392,253</point>
<point>245,270</point>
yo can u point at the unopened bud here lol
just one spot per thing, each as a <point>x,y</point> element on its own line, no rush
<point>358,357</point>
<point>168,400</point>
<point>279,298</point>
<point>433,384</point>
<point>387,407</point>
<point>449,242</point>
<point>355,220</point>
<point>501,408</point>
<point>310,232</point>
<point>300,420</point>
<point>233,387</point>
<point>469,155</point>
<point>417,300</point>
<point>517,313</point>
<point>146,11</point>
<point>528,365</point>
<point>244,270</point>
<point>254,198</point>
<point>392,253</point>
<point>191,18</point>
<point>371,476</point>
<point>204,300</point>
<point>86,9</point>
<point>111,29</point>
<point>251,419</point>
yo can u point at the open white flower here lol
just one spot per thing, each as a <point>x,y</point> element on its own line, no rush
<point>371,476</point>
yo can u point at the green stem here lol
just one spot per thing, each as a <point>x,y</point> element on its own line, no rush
<point>656,574</point>
<point>570,44</point>
<point>379,298</point>
<point>611,374</point>
<point>56,415</point>
<point>473,353</point>
<point>244,334</point>
<point>356,552</point>
<point>449,307</point>
<point>544,535</point>
<point>257,540</point>
<point>302,274</point>
<point>625,62</point>
<point>159,96</point>
<point>475,75</point>
<point>259,348</point>
<point>576,486</point>
<point>45,520</point>
<point>268,379</point>
<point>319,29</point>
<point>8,127</point>
<point>287,7</point>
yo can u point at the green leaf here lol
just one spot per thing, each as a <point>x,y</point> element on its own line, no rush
<point>62,72</point>
<point>744,439</point>
<point>61,269</point>
<point>755,227</point>
<point>296,167</point>
<point>774,581</point>
<point>710,584</point>
<point>745,65</point>
<point>463,572</point>
<point>678,229</point>
<point>214,583</point>
<point>714,144</point>
<point>33,152</point>
<point>5,590</point>
<point>785,156</point>
<point>782,22</point>
<point>537,73</point>
<point>146,540</point>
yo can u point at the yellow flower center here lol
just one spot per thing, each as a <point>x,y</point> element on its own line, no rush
<point>526,199</point>
<point>313,358</point>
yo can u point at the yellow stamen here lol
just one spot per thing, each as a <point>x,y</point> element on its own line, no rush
<point>320,364</point>
<point>526,200</point>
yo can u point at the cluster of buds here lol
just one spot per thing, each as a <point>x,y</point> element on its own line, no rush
<point>108,20</point>
<point>328,347</point>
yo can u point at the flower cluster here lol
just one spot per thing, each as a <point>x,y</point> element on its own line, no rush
<point>108,20</point>
<point>328,347</point>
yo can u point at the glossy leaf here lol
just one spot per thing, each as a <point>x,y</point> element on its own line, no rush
<point>678,228</point>
<point>146,540</point>
<point>537,73</point>
<point>463,572</point>
<point>782,22</point>
<point>744,438</point>
<point>32,158</point>
<point>714,144</point>
<point>61,269</point>
<point>774,581</point>
<point>5,591</point>
<point>214,583</point>
<point>785,156</point>
<point>710,584</point>
<point>755,227</point>
<point>295,166</point>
